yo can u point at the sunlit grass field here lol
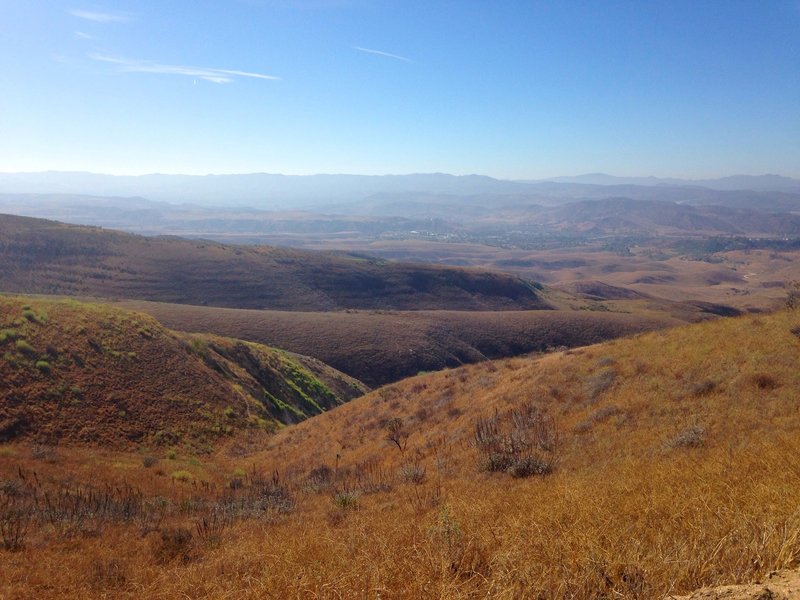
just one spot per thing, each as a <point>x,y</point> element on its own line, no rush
<point>673,462</point>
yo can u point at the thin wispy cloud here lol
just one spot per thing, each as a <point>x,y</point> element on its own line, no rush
<point>101,17</point>
<point>382,53</point>
<point>204,73</point>
<point>80,35</point>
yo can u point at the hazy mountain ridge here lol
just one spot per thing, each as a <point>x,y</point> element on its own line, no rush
<point>272,191</point>
<point>768,182</point>
<point>442,216</point>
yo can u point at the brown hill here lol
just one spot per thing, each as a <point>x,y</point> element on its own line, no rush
<point>379,347</point>
<point>38,256</point>
<point>74,372</point>
<point>598,290</point>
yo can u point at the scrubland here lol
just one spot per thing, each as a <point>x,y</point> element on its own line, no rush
<point>638,468</point>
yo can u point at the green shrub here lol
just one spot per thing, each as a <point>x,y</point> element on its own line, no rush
<point>346,499</point>
<point>43,366</point>
<point>8,335</point>
<point>171,455</point>
<point>33,317</point>
<point>182,475</point>
<point>24,347</point>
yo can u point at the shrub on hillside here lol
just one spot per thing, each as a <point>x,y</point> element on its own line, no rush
<point>14,520</point>
<point>8,335</point>
<point>691,437</point>
<point>598,416</point>
<point>346,499</point>
<point>320,478</point>
<point>173,543</point>
<point>105,574</point>
<point>396,433</point>
<point>599,383</point>
<point>521,442</point>
<point>793,295</point>
<point>413,472</point>
<point>530,465</point>
<point>25,348</point>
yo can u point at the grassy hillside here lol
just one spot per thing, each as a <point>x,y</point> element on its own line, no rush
<point>76,372</point>
<point>637,468</point>
<point>379,347</point>
<point>38,256</point>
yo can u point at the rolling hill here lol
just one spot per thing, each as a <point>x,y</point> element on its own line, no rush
<point>379,347</point>
<point>641,468</point>
<point>38,256</point>
<point>86,373</point>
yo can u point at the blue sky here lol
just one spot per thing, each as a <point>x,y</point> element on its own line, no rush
<point>508,89</point>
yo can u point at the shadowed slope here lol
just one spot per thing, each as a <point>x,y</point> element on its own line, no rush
<point>384,346</point>
<point>38,256</point>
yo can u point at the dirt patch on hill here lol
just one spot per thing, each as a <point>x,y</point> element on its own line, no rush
<point>778,585</point>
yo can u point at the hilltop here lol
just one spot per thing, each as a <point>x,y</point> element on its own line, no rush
<point>638,468</point>
<point>46,257</point>
<point>86,373</point>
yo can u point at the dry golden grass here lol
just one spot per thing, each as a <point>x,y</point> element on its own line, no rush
<point>678,467</point>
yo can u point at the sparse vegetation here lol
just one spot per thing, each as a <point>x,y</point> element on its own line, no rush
<point>90,349</point>
<point>512,483</point>
<point>396,433</point>
<point>693,436</point>
<point>522,442</point>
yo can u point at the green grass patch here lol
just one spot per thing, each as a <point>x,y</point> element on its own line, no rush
<point>32,317</point>
<point>9,335</point>
<point>24,347</point>
<point>182,475</point>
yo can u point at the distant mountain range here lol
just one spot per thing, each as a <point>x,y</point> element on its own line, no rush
<point>281,192</point>
<point>733,182</point>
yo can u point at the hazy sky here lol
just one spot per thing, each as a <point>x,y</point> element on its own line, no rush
<point>509,89</point>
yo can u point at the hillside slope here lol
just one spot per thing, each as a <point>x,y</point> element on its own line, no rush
<point>643,468</point>
<point>379,347</point>
<point>674,456</point>
<point>38,256</point>
<point>85,373</point>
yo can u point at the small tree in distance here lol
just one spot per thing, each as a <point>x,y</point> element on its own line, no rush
<point>396,433</point>
<point>793,295</point>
